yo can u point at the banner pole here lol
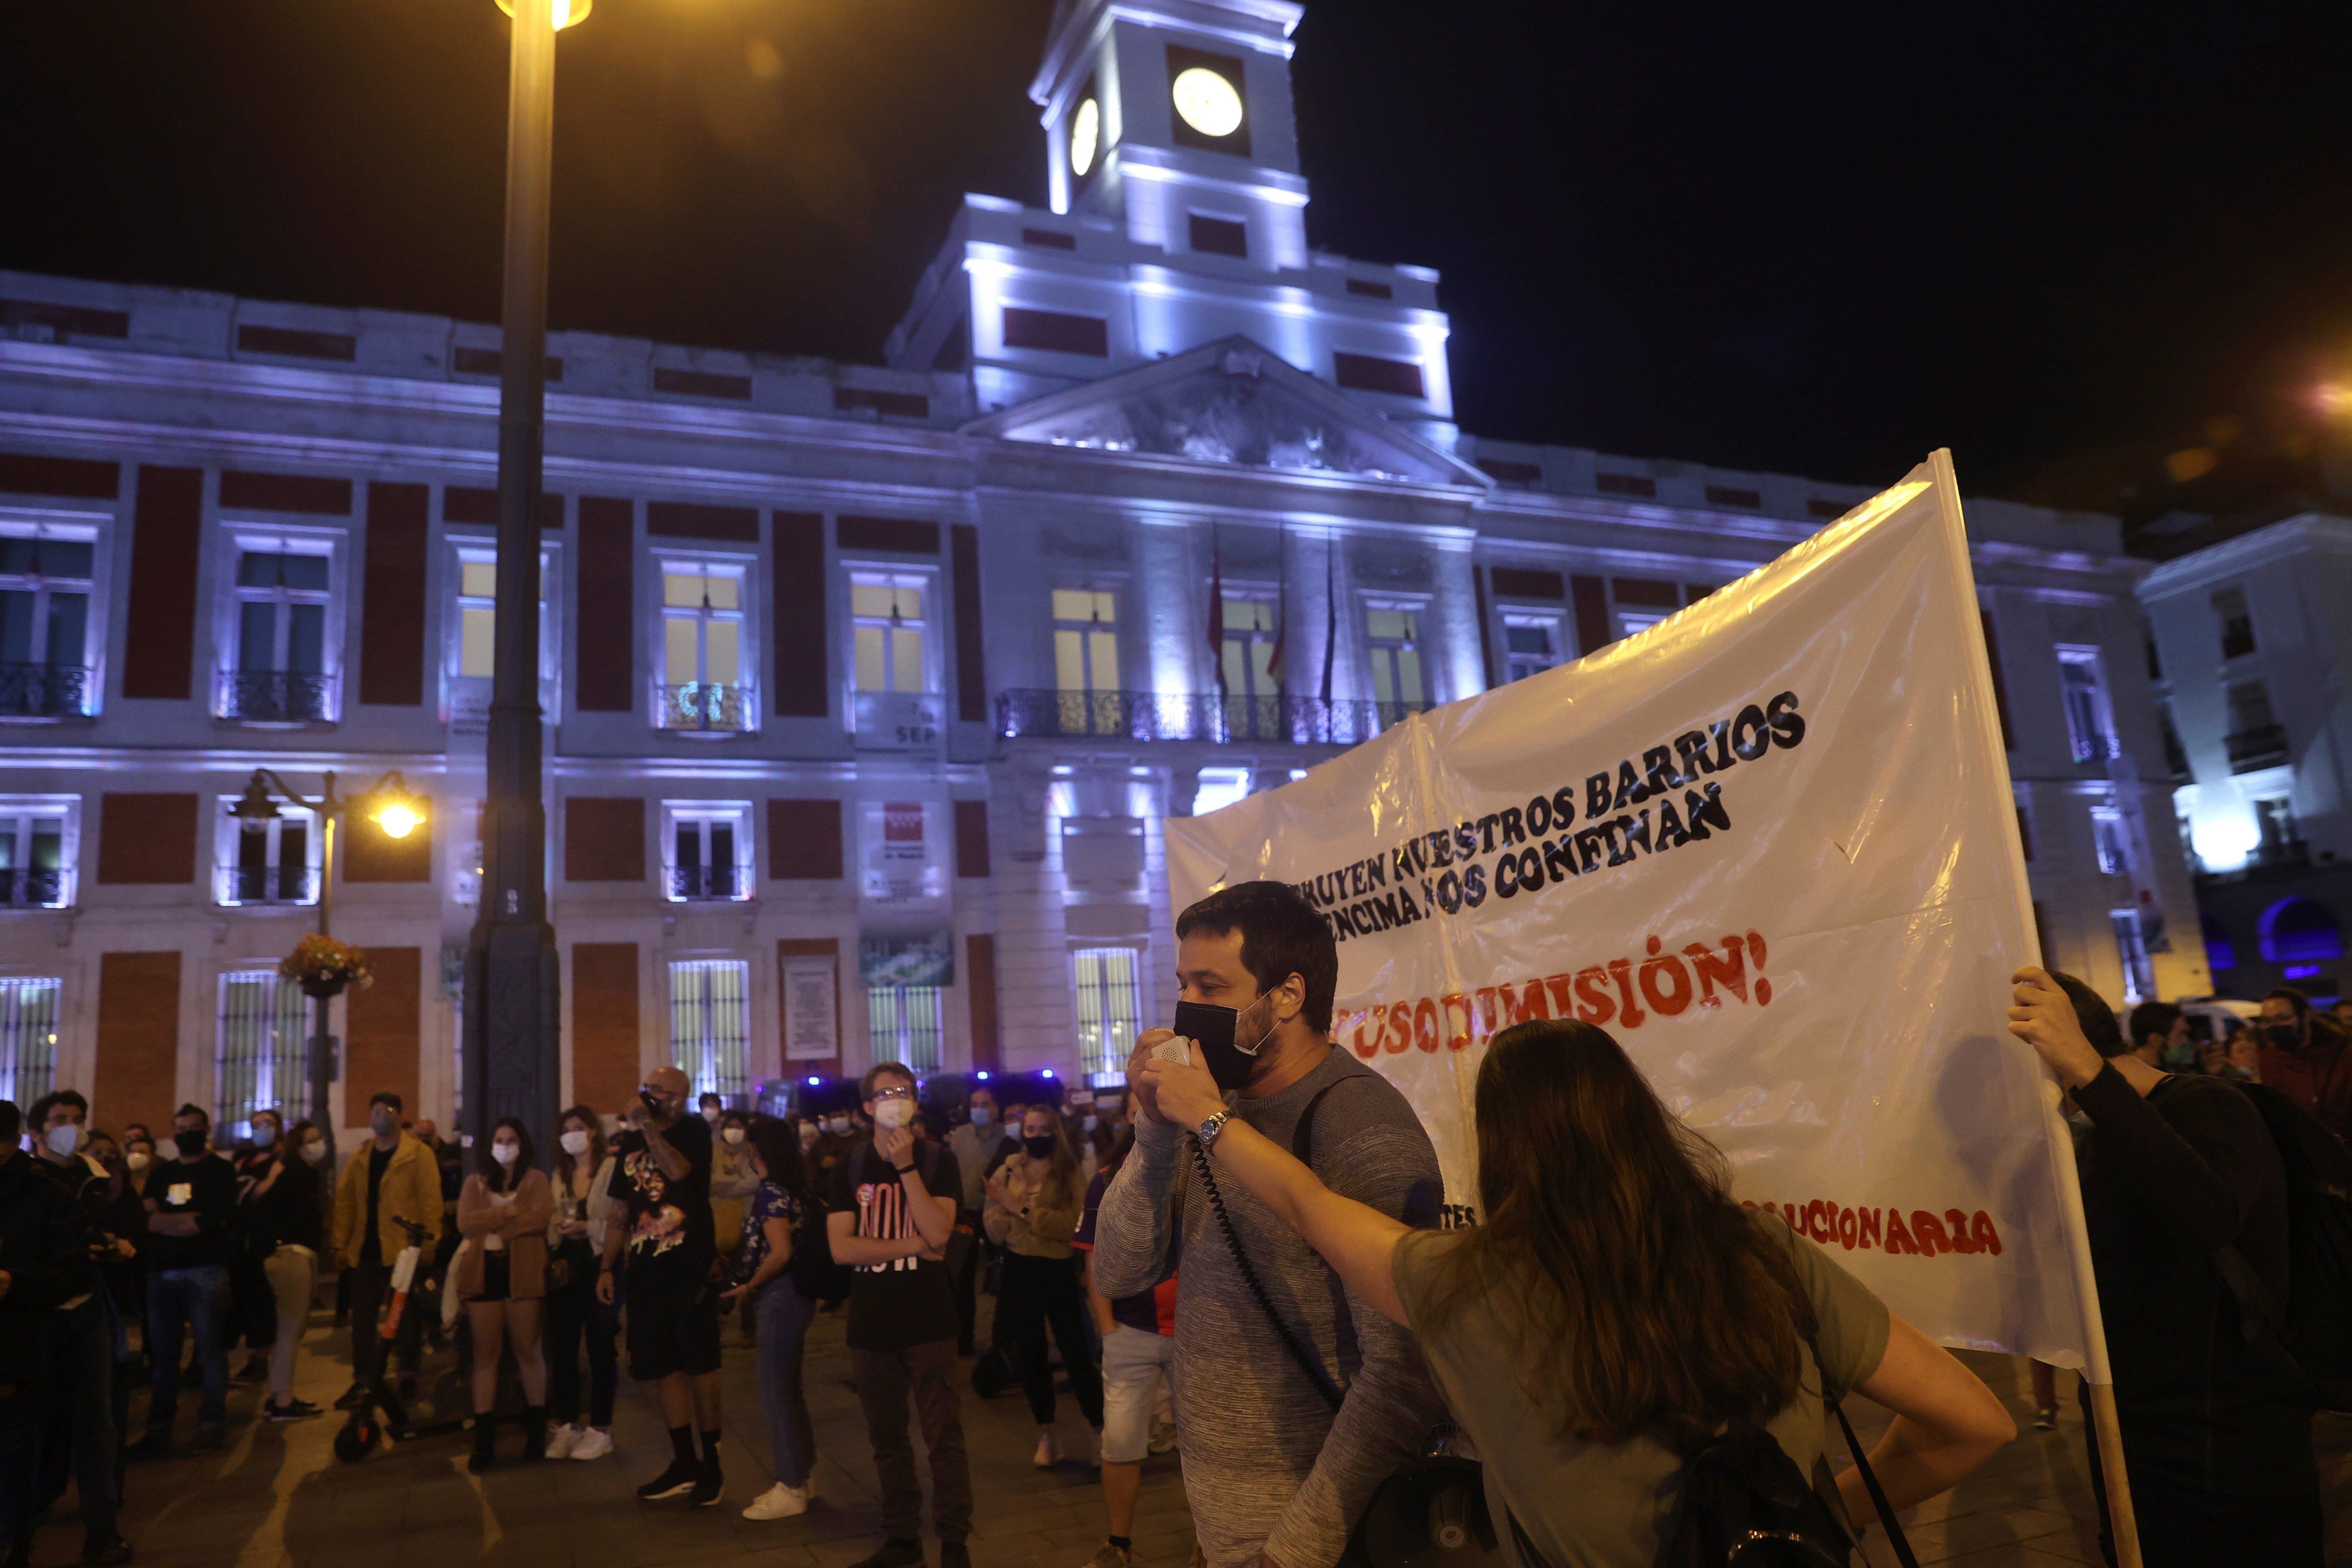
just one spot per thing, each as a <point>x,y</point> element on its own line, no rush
<point>2121,1524</point>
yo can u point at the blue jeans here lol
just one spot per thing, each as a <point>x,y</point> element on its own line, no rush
<point>784,1316</point>
<point>196,1300</point>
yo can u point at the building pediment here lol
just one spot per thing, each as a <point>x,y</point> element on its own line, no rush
<point>1232,402</point>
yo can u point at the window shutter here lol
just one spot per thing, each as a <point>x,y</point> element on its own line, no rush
<point>159,640</point>
<point>804,840</point>
<point>604,838</point>
<point>147,838</point>
<point>606,666</point>
<point>802,687</point>
<point>386,1025</point>
<point>138,1038</point>
<point>605,1066</point>
<point>391,602</point>
<point>971,675</point>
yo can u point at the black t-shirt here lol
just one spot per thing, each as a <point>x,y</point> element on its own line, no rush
<point>288,1214</point>
<point>371,1241</point>
<point>206,1189</point>
<point>905,1301</point>
<point>670,1234</point>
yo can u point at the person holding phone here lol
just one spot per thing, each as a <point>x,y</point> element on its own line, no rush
<point>673,1329</point>
<point>1272,1471</point>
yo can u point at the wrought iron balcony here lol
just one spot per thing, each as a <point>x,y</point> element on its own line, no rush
<point>2263,746</point>
<point>43,690</point>
<point>31,889</point>
<point>705,706</point>
<point>701,882</point>
<point>276,696</point>
<point>1160,716</point>
<point>269,885</point>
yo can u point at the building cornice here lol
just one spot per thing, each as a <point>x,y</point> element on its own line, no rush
<point>2305,532</point>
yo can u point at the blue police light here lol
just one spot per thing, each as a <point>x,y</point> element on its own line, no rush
<point>814,1081</point>
<point>983,1077</point>
<point>1048,1072</point>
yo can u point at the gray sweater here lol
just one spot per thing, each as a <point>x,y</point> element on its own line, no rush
<point>1267,1465</point>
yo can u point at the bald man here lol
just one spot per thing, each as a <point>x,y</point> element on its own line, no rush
<point>664,1177</point>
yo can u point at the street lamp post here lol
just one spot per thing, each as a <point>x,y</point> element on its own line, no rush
<point>397,811</point>
<point>511,1045</point>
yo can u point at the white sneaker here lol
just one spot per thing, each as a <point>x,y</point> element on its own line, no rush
<point>1049,1452</point>
<point>560,1441</point>
<point>593,1443</point>
<point>779,1501</point>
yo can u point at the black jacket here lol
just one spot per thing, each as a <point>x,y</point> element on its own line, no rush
<point>45,1251</point>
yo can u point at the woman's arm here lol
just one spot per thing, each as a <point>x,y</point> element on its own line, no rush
<point>778,1259</point>
<point>477,1216</point>
<point>1946,1423</point>
<point>1052,1223</point>
<point>534,1207</point>
<point>1354,1238</point>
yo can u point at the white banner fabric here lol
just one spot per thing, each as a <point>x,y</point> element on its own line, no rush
<point>1770,844</point>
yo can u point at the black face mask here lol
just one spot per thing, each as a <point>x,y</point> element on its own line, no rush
<point>1040,1147</point>
<point>1230,1063</point>
<point>190,1142</point>
<point>2285,1037</point>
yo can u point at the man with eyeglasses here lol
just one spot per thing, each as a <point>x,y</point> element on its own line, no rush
<point>889,1216</point>
<point>665,1175</point>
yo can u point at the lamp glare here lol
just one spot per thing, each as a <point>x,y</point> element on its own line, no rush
<point>398,821</point>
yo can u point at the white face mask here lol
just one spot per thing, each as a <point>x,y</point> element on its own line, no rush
<point>893,1114</point>
<point>982,1116</point>
<point>135,1160</point>
<point>505,1154</point>
<point>264,1135</point>
<point>836,1125</point>
<point>1090,1121</point>
<point>808,1134</point>
<point>63,1139</point>
<point>733,1135</point>
<point>710,1114</point>
<point>575,1142</point>
<point>314,1150</point>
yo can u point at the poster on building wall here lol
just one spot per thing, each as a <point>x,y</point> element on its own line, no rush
<point>916,958</point>
<point>811,1009</point>
<point>902,854</point>
<point>1769,845</point>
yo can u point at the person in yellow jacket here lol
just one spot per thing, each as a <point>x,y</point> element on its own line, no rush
<point>389,1183</point>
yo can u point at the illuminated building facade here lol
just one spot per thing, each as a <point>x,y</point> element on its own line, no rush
<point>868,688</point>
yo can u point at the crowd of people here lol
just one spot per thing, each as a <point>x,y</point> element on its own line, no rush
<point>1615,1324</point>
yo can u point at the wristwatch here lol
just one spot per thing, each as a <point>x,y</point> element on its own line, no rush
<point>1213,1126</point>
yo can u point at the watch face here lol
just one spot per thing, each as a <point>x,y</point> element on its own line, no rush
<point>1206,101</point>
<point>1086,135</point>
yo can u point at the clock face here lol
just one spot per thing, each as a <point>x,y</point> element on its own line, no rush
<point>1206,101</point>
<point>1086,135</point>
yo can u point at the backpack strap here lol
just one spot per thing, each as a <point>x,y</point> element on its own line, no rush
<point>1869,1477</point>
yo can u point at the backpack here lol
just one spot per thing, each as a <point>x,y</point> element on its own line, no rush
<point>2313,1326</point>
<point>1745,1503</point>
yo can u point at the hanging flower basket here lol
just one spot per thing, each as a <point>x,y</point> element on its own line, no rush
<point>325,966</point>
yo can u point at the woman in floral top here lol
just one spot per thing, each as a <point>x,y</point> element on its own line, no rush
<point>763,1265</point>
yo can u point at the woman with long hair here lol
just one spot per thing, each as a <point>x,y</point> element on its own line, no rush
<point>282,1223</point>
<point>1034,1200</point>
<point>1617,1307</point>
<point>502,1212</point>
<point>768,1295</point>
<point>585,1210</point>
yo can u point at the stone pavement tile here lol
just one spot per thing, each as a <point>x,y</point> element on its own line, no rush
<point>1976,1531</point>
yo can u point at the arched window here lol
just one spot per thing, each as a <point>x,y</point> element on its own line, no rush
<point>2299,931</point>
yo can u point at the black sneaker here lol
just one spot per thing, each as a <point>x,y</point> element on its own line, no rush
<point>708,1483</point>
<point>294,1410</point>
<point>353,1397</point>
<point>679,1479</point>
<point>900,1554</point>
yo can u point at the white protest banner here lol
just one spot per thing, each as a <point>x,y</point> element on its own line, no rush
<point>1770,844</point>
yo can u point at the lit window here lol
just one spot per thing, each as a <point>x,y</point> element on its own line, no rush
<point>281,597</point>
<point>36,853</point>
<point>1250,638</point>
<point>1531,644</point>
<point>28,1039</point>
<point>478,618</point>
<point>2237,623</point>
<point>2089,720</point>
<point>905,1024</point>
<point>2131,949</point>
<point>45,586</point>
<point>1632,621</point>
<point>1220,788</point>
<point>1393,636</point>
<point>708,850</point>
<point>1086,640</point>
<point>702,684</point>
<point>711,1024</point>
<point>274,862</point>
<point>1109,1012</point>
<point>263,1062</point>
<point>2112,839</point>
<point>886,611</point>
<point>473,633</point>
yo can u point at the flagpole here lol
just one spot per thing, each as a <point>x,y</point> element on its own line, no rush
<point>2098,1376</point>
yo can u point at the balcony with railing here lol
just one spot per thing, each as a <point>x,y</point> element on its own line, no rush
<point>276,696</point>
<point>44,691</point>
<point>37,890</point>
<point>1222,720</point>
<point>2255,748</point>
<point>243,885</point>
<point>704,707</point>
<point>702,884</point>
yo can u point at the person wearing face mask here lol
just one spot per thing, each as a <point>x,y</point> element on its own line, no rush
<point>713,1107</point>
<point>1288,1478</point>
<point>783,1224</point>
<point>584,1212</point>
<point>732,1180</point>
<point>253,1308</point>
<point>978,1143</point>
<point>673,1320</point>
<point>503,1212</point>
<point>281,1226</point>
<point>389,1183</point>
<point>891,1216</point>
<point>1089,1132</point>
<point>2159,1037</point>
<point>2302,1053</point>
<point>1034,1200</point>
<point>44,1263</point>
<point>190,1207</point>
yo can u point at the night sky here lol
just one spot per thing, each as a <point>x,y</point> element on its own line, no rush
<point>2079,244</point>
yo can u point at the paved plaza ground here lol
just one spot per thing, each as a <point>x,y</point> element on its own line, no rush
<point>276,1495</point>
